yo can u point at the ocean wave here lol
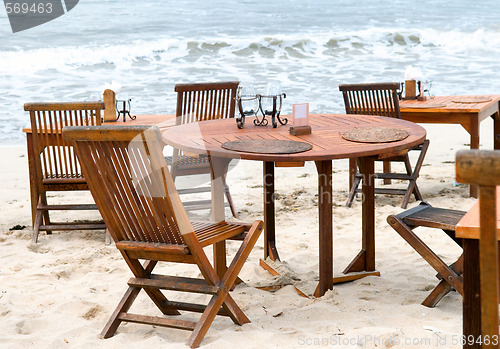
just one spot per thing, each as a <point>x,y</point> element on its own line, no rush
<point>299,46</point>
<point>310,66</point>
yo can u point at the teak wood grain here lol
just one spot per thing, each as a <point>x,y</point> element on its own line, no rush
<point>130,182</point>
<point>206,138</point>
<point>468,115</point>
<point>327,144</point>
<point>162,121</point>
<point>53,165</point>
<point>481,273</point>
<point>469,227</point>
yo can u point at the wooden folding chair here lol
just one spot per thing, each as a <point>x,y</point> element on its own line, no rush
<point>424,215</point>
<point>200,102</point>
<point>128,177</point>
<point>382,99</point>
<point>482,168</point>
<point>56,167</point>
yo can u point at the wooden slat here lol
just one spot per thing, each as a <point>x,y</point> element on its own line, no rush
<point>435,217</point>
<point>197,308</point>
<point>157,321</point>
<point>68,207</point>
<point>174,284</point>
<point>64,106</point>
<point>74,226</point>
<point>148,246</point>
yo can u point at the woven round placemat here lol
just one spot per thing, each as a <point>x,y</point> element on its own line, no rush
<point>375,135</point>
<point>267,146</point>
<point>471,99</point>
<point>423,106</point>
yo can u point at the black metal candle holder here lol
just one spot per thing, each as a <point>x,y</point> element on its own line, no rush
<point>243,98</point>
<point>274,113</point>
<point>124,111</point>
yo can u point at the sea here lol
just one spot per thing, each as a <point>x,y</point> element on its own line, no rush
<point>145,47</point>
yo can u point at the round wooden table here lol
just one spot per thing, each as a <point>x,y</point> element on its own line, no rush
<point>207,137</point>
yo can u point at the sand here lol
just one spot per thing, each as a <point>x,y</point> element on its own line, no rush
<point>60,292</point>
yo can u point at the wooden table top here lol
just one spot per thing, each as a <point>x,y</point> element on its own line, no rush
<point>327,143</point>
<point>446,104</point>
<point>468,226</point>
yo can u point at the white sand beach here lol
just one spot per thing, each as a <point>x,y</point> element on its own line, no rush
<point>60,292</point>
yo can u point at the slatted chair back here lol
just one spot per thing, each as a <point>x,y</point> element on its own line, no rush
<point>371,99</point>
<point>130,182</point>
<point>381,99</point>
<point>54,156</point>
<point>205,101</point>
<point>482,168</point>
<point>200,102</point>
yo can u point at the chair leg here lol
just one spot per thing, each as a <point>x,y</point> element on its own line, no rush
<point>444,287</point>
<point>144,271</point>
<point>421,248</point>
<point>441,290</point>
<point>352,193</point>
<point>45,213</point>
<point>353,169</point>
<point>387,169</point>
<point>36,227</point>
<point>412,187</point>
<point>229,198</point>
<point>131,294</point>
<point>123,307</point>
<point>223,298</point>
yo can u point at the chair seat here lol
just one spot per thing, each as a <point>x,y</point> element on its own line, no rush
<point>207,233</point>
<point>64,180</point>
<point>424,215</point>
<point>188,160</point>
<point>433,217</point>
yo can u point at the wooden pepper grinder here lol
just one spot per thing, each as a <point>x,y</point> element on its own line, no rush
<point>109,98</point>
<point>410,89</point>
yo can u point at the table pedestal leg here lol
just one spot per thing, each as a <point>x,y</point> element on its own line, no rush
<point>474,144</point>
<point>325,223</point>
<point>325,226</point>
<point>496,129</point>
<point>269,218</point>
<point>472,299</point>
<point>270,249</point>
<point>365,260</point>
<point>364,263</point>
